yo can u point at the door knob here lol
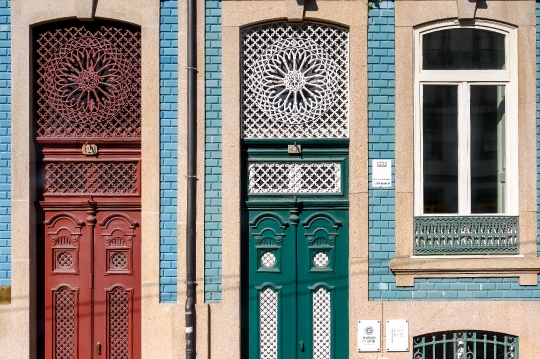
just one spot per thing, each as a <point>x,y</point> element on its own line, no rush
<point>98,348</point>
<point>302,345</point>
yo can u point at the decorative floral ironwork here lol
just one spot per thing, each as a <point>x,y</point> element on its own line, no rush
<point>88,79</point>
<point>466,235</point>
<point>295,81</point>
<point>88,82</point>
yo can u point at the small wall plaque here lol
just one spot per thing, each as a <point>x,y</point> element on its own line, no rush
<point>397,335</point>
<point>381,175</point>
<point>369,336</point>
<point>294,149</point>
<point>5,294</point>
<point>89,149</point>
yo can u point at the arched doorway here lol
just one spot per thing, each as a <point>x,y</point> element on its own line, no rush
<point>295,132</point>
<point>87,123</point>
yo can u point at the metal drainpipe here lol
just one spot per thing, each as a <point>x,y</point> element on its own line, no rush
<point>191,323</point>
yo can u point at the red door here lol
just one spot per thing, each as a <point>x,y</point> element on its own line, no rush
<point>93,292</point>
<point>68,273</point>
<point>117,298</point>
<point>88,132</point>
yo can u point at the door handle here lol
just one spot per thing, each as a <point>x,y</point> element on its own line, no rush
<point>302,346</point>
<point>98,348</point>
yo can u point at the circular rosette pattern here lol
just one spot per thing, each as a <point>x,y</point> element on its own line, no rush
<point>87,79</point>
<point>295,81</point>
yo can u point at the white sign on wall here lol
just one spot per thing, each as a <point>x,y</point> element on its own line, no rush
<point>381,173</point>
<point>369,336</point>
<point>397,335</point>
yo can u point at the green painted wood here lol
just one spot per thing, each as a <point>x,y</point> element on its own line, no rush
<point>294,236</point>
<point>323,232</point>
<point>270,232</point>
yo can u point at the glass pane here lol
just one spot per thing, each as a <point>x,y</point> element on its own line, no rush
<point>463,49</point>
<point>440,149</point>
<point>487,149</point>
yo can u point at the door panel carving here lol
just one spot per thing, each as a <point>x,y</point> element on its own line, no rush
<point>117,294</point>
<point>67,283</point>
<point>298,277</point>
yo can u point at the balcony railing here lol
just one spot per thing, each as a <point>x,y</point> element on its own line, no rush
<point>466,235</point>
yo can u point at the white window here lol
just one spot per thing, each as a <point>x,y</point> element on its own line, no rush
<point>466,120</point>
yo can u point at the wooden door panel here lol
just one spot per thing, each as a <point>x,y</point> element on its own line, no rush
<point>323,248</point>
<point>117,283</point>
<point>272,275</point>
<point>298,284</point>
<point>68,283</point>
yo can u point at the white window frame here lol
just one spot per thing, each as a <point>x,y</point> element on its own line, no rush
<point>464,79</point>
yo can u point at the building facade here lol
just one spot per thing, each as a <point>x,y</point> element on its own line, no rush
<point>367,179</point>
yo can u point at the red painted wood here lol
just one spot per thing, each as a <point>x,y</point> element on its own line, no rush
<point>117,287</point>
<point>95,255</point>
<point>65,233</point>
<point>88,92</point>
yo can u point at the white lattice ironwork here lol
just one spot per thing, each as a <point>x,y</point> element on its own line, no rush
<point>301,177</point>
<point>295,81</point>
<point>268,324</point>
<point>321,324</point>
<point>268,260</point>
<point>320,260</point>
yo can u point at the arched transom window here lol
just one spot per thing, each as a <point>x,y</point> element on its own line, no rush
<point>295,81</point>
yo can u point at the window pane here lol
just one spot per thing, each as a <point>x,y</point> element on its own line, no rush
<point>440,149</point>
<point>487,149</point>
<point>463,49</point>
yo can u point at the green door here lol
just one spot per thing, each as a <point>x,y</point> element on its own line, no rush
<point>298,280</point>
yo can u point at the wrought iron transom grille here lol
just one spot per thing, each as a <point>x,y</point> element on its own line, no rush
<point>300,177</point>
<point>321,324</point>
<point>295,81</point>
<point>268,324</point>
<point>88,82</point>
<point>465,345</point>
<point>466,235</point>
<point>91,177</point>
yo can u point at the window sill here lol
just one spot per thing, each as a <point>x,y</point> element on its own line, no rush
<point>407,269</point>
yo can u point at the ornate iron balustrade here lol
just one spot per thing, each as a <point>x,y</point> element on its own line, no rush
<point>466,235</point>
<point>465,345</point>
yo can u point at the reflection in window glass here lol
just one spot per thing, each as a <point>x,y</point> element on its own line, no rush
<point>487,149</point>
<point>440,149</point>
<point>463,49</point>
